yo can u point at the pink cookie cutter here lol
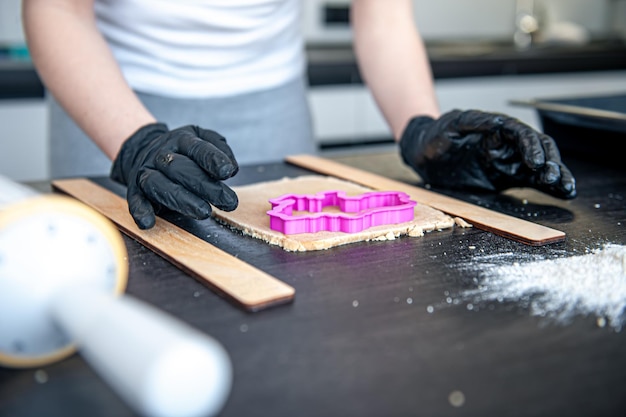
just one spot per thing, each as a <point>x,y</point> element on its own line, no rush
<point>370,209</point>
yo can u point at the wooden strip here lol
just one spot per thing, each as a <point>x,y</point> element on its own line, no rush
<point>241,282</point>
<point>501,224</point>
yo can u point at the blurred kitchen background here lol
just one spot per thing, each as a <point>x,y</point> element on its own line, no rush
<point>484,53</point>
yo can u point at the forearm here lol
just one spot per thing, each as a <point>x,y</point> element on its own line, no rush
<point>77,67</point>
<point>393,61</point>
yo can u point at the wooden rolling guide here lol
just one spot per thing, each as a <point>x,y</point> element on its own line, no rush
<point>501,224</point>
<point>224,273</point>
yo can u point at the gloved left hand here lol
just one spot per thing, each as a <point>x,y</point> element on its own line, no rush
<point>488,151</point>
<point>182,170</point>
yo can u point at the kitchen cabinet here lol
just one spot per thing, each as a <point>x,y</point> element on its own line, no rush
<point>344,115</point>
<point>23,139</point>
<point>347,114</point>
<point>470,75</point>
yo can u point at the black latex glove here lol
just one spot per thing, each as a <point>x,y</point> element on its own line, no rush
<point>488,151</point>
<point>181,170</point>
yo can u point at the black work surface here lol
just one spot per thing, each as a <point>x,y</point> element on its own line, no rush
<point>358,339</point>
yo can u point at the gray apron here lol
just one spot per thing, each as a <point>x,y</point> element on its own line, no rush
<point>260,127</point>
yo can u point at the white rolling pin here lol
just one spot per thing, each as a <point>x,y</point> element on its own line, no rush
<point>63,271</point>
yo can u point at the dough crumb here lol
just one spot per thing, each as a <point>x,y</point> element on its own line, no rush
<point>461,222</point>
<point>416,232</point>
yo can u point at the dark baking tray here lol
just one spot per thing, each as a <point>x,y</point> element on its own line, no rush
<point>592,127</point>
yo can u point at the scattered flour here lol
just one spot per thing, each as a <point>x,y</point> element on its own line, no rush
<point>560,289</point>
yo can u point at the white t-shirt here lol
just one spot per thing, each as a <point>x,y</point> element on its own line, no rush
<point>204,48</point>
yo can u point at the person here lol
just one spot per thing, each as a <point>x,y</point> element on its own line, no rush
<point>158,86</point>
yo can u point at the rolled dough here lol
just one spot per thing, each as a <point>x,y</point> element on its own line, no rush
<point>251,215</point>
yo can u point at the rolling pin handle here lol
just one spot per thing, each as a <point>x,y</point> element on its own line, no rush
<point>161,366</point>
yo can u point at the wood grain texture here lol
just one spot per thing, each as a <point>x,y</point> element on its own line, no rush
<point>241,282</point>
<point>500,224</point>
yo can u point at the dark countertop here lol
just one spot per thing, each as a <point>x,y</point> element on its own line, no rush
<point>358,339</point>
<point>335,64</point>
<point>19,80</point>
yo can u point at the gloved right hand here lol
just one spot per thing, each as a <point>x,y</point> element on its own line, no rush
<point>486,151</point>
<point>180,169</point>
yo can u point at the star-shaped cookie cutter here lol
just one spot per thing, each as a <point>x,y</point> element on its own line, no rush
<point>356,212</point>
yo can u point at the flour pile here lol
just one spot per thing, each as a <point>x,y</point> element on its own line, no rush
<point>560,289</point>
